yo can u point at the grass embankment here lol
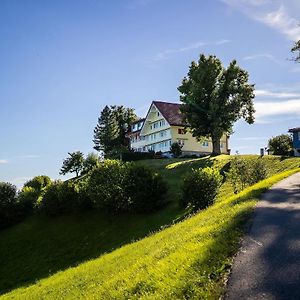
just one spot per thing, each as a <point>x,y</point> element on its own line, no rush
<point>186,260</point>
<point>41,246</point>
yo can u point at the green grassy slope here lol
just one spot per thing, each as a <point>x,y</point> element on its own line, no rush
<point>186,260</point>
<point>41,246</point>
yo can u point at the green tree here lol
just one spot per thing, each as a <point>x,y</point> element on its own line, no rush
<point>296,48</point>
<point>281,144</point>
<point>72,164</point>
<point>175,149</point>
<point>214,98</point>
<point>92,161</point>
<point>110,131</point>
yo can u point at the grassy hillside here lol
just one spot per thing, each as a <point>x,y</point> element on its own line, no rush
<point>41,246</point>
<point>187,260</point>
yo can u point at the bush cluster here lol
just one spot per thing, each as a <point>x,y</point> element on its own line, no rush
<point>244,173</point>
<point>117,186</point>
<point>200,187</point>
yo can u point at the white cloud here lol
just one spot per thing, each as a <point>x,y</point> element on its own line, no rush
<point>270,109</point>
<point>263,56</point>
<point>166,54</point>
<point>271,13</point>
<point>267,93</point>
<point>3,161</point>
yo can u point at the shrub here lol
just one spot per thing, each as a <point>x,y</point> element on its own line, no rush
<point>91,162</point>
<point>281,144</point>
<point>243,173</point>
<point>134,156</point>
<point>9,210</point>
<point>144,189</point>
<point>117,187</point>
<point>106,186</point>
<point>200,187</point>
<point>38,183</point>
<point>65,197</point>
<point>176,149</point>
<point>32,192</point>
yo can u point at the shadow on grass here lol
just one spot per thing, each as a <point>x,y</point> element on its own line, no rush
<point>42,246</point>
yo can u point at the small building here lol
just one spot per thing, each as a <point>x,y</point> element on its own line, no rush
<point>296,140</point>
<point>164,125</point>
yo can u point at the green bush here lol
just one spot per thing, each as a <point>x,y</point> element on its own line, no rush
<point>134,156</point>
<point>38,183</point>
<point>144,189</point>
<point>243,173</point>
<point>175,149</point>
<point>200,187</point>
<point>9,208</point>
<point>65,197</point>
<point>117,187</point>
<point>281,144</point>
<point>106,186</point>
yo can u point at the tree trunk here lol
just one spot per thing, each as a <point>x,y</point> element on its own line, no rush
<point>216,144</point>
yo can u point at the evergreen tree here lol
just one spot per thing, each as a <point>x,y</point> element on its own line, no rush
<point>110,131</point>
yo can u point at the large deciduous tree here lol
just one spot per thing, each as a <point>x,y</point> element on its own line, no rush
<point>214,98</point>
<point>110,131</point>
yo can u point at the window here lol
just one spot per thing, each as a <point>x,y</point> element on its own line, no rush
<point>181,131</point>
<point>180,142</point>
<point>205,144</point>
<point>151,127</point>
<point>155,125</point>
<point>299,135</point>
<point>158,114</point>
<point>162,123</point>
<point>221,145</point>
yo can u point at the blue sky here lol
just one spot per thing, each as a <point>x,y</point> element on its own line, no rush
<point>63,60</point>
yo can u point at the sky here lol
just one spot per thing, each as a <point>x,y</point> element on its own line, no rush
<point>62,61</point>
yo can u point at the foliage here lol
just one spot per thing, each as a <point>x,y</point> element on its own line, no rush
<point>281,144</point>
<point>91,162</point>
<point>197,252</point>
<point>116,186</point>
<point>144,189</point>
<point>40,246</point>
<point>175,149</point>
<point>134,156</point>
<point>38,183</point>
<point>106,186</point>
<point>214,98</point>
<point>200,187</point>
<point>296,48</point>
<point>72,164</point>
<point>65,197</point>
<point>9,210</point>
<point>110,131</point>
<point>243,173</point>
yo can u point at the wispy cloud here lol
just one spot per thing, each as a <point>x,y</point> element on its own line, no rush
<point>270,109</point>
<point>263,56</point>
<point>271,13</point>
<point>3,161</point>
<point>166,54</point>
<point>267,93</point>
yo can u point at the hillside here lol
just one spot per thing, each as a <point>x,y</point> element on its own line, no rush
<point>41,246</point>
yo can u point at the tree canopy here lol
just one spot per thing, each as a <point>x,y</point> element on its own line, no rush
<point>214,98</point>
<point>73,163</point>
<point>281,144</point>
<point>110,131</point>
<point>296,48</point>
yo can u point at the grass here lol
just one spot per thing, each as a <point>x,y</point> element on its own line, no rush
<point>186,260</point>
<point>40,247</point>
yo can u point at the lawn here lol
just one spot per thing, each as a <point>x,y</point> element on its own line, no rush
<point>41,246</point>
<point>187,260</point>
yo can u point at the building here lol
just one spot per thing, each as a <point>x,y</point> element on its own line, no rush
<point>164,125</point>
<point>296,140</point>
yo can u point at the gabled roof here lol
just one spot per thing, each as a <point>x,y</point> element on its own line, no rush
<point>294,129</point>
<point>171,112</point>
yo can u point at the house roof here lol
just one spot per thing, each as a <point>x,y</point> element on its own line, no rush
<point>171,112</point>
<point>296,129</point>
<point>138,121</point>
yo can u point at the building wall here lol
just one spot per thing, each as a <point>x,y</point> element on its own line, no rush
<point>296,142</point>
<point>190,144</point>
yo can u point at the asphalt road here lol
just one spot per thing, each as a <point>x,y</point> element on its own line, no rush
<point>268,263</point>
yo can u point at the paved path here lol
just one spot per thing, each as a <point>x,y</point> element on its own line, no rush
<point>268,264</point>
